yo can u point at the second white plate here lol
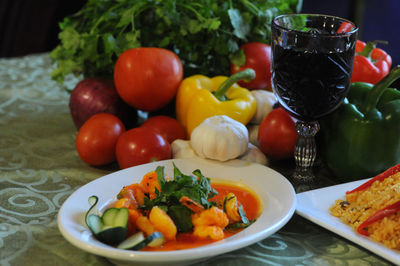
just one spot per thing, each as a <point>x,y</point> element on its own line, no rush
<point>314,205</point>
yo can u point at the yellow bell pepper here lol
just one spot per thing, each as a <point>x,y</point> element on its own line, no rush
<point>200,97</point>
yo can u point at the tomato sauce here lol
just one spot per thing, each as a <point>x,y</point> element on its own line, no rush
<point>251,206</point>
<point>248,199</point>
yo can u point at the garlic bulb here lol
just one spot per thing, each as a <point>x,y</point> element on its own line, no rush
<point>220,138</point>
<point>182,149</point>
<point>254,155</point>
<point>265,102</point>
<point>253,134</point>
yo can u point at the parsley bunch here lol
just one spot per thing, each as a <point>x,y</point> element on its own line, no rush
<point>203,33</point>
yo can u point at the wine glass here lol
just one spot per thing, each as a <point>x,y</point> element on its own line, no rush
<point>312,62</point>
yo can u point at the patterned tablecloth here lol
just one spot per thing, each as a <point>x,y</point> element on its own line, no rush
<point>39,169</point>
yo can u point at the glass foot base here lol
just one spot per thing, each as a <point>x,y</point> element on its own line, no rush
<point>306,149</point>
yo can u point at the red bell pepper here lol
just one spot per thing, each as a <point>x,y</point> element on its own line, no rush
<point>371,64</point>
<point>389,210</point>
<point>391,171</point>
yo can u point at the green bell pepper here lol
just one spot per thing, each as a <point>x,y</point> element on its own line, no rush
<point>362,137</point>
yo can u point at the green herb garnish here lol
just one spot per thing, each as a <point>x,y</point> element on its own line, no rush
<point>197,187</point>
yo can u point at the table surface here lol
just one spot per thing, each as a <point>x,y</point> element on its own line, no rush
<point>39,169</point>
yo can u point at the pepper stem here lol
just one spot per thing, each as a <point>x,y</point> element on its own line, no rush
<point>366,52</point>
<point>379,88</point>
<point>247,75</point>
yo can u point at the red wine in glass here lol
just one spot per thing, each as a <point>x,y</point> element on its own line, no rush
<point>310,85</point>
<point>312,62</point>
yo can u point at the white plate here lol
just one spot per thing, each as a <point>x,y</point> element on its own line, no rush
<point>314,205</point>
<point>276,194</point>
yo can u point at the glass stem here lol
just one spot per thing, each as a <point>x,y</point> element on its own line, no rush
<point>306,149</point>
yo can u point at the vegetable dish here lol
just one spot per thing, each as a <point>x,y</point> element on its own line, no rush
<point>163,213</point>
<point>372,208</point>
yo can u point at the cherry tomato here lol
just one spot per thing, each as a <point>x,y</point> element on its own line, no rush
<point>258,57</point>
<point>147,78</point>
<point>277,135</point>
<point>97,138</point>
<point>141,145</point>
<point>166,126</point>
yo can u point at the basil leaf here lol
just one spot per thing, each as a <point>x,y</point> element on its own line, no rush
<point>182,217</point>
<point>160,176</point>
<point>243,216</point>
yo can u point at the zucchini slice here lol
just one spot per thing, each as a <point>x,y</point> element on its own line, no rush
<point>134,242</point>
<point>157,240</point>
<point>111,227</point>
<point>138,241</point>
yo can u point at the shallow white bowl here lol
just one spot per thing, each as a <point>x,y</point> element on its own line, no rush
<point>276,195</point>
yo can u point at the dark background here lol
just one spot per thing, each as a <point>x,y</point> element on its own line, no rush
<point>376,19</point>
<point>31,26</point>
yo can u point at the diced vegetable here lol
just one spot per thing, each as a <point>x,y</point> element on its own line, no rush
<point>139,241</point>
<point>111,227</point>
<point>157,240</point>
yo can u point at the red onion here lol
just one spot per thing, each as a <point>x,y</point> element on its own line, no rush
<point>97,95</point>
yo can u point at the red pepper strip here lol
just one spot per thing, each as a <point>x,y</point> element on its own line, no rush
<point>389,210</point>
<point>391,171</point>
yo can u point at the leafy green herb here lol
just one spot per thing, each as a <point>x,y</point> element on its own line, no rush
<point>203,33</point>
<point>160,176</point>
<point>239,225</point>
<point>181,217</point>
<point>243,216</point>
<point>197,187</point>
<point>245,222</point>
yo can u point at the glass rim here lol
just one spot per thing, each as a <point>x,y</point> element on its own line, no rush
<point>339,35</point>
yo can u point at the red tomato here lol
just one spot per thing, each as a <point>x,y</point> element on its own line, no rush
<point>147,78</point>
<point>166,126</point>
<point>277,135</point>
<point>97,138</point>
<point>258,57</point>
<point>141,145</point>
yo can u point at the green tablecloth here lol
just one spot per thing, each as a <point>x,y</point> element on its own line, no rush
<point>39,169</point>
